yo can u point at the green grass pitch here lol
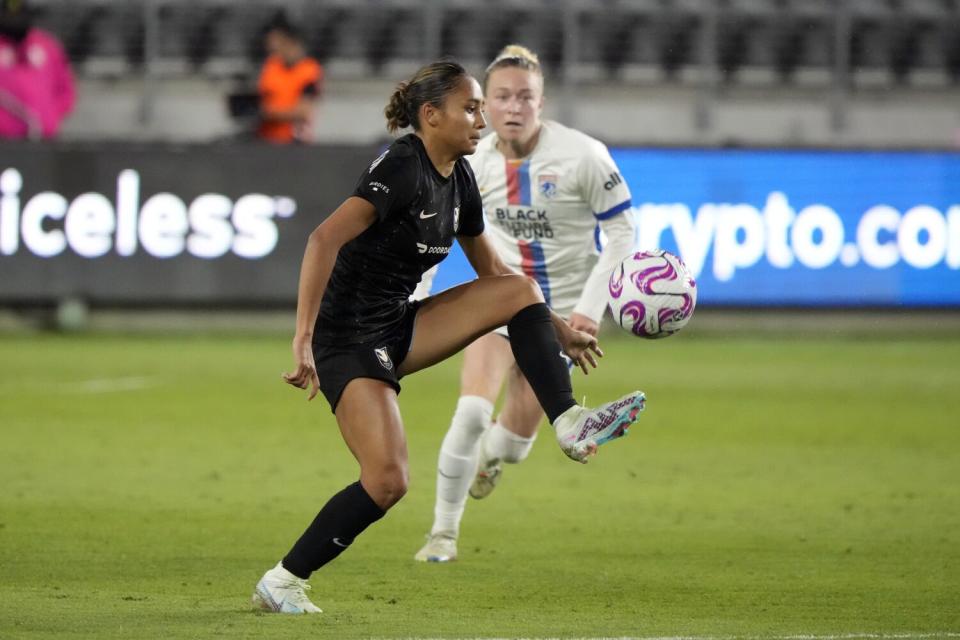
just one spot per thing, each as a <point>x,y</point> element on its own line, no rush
<point>774,487</point>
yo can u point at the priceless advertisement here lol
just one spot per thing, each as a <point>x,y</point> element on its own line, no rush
<point>202,225</point>
<point>798,228</point>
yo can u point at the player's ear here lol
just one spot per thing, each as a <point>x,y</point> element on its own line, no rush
<point>429,114</point>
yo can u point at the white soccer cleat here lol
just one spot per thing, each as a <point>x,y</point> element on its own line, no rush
<point>440,547</point>
<point>280,591</point>
<point>581,430</point>
<point>488,475</point>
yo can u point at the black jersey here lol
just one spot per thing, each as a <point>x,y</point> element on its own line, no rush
<point>418,214</point>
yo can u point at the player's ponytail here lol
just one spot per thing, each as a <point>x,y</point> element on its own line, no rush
<point>396,110</point>
<point>514,55</point>
<point>429,85</point>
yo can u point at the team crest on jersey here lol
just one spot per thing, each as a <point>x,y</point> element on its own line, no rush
<point>384,358</point>
<point>456,219</point>
<point>548,184</point>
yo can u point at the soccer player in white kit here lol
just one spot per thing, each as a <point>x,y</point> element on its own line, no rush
<point>545,189</point>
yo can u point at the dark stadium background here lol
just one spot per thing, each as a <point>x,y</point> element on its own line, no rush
<point>794,475</point>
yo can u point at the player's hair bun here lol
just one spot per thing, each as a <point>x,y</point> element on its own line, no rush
<point>397,110</point>
<point>429,85</point>
<point>513,55</point>
<point>517,51</point>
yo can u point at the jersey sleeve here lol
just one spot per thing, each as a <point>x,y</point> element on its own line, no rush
<point>593,299</point>
<point>390,183</point>
<point>604,189</point>
<point>471,207</point>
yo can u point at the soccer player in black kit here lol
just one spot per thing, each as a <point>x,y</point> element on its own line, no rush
<point>358,333</point>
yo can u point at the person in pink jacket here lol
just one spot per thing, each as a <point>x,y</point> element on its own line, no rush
<point>36,85</point>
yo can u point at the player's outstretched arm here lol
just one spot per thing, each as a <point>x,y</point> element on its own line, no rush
<point>350,219</point>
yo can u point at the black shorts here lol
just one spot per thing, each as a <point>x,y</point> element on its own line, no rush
<point>379,359</point>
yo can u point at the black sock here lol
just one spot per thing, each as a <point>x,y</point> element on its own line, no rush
<point>538,354</point>
<point>342,519</point>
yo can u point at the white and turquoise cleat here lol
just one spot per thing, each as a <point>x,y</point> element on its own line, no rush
<point>580,431</point>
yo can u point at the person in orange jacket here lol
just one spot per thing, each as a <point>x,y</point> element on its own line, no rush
<point>289,86</point>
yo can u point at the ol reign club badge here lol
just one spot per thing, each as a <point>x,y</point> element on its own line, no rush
<point>548,185</point>
<point>456,219</point>
<point>384,358</point>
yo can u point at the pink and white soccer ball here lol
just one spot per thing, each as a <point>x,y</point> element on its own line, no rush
<point>652,294</point>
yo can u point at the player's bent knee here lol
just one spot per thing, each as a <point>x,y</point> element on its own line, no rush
<point>387,486</point>
<point>512,293</point>
<point>517,451</point>
<point>471,418</point>
<point>530,290</point>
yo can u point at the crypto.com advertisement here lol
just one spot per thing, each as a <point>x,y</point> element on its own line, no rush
<point>798,228</point>
<point>804,227</point>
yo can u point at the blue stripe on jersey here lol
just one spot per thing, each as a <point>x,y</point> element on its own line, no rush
<point>609,213</point>
<point>524,171</point>
<point>533,264</point>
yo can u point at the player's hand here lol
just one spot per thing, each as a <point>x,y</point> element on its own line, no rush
<point>581,347</point>
<point>305,370</point>
<point>581,322</point>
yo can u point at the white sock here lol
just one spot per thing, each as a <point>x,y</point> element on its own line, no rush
<point>499,443</point>
<point>458,462</point>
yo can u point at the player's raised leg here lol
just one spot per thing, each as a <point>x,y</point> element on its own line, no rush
<point>452,319</point>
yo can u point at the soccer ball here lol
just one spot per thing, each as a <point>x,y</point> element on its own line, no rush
<point>652,294</point>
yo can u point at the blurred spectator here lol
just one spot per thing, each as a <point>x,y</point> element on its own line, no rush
<point>289,86</point>
<point>36,84</point>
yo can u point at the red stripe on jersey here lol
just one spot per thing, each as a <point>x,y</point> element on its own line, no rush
<point>527,259</point>
<point>513,181</point>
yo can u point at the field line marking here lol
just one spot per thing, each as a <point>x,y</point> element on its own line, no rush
<point>109,385</point>
<point>799,636</point>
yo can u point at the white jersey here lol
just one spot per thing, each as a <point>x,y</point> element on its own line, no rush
<point>542,213</point>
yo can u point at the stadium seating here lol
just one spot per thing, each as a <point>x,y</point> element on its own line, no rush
<point>777,41</point>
